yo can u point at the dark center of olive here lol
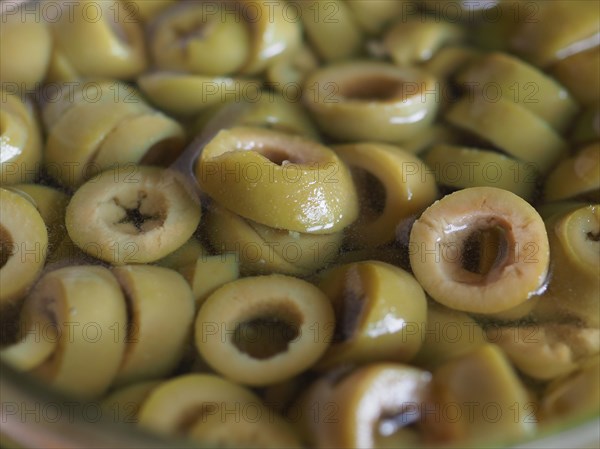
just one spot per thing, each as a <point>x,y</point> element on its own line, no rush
<point>483,250</point>
<point>371,193</point>
<point>594,237</point>
<point>269,333</point>
<point>142,222</point>
<point>6,246</point>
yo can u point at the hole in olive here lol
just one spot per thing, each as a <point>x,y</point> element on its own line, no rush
<point>268,334</point>
<point>594,237</point>
<point>394,429</point>
<point>372,88</point>
<point>6,246</point>
<point>371,193</point>
<point>141,215</point>
<point>483,250</point>
<point>278,155</point>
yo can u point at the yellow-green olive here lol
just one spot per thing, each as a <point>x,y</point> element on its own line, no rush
<point>441,250</point>
<point>479,398</point>
<point>20,141</point>
<point>372,406</point>
<point>371,101</point>
<point>330,28</point>
<point>546,350</point>
<point>530,139</point>
<point>380,311</point>
<point>208,273</point>
<point>23,245</point>
<point>87,308</point>
<point>25,46</point>
<point>187,254</point>
<point>374,15</point>
<point>145,11</point>
<point>517,81</point>
<point>273,34</point>
<point>161,310</point>
<point>448,60</point>
<point>414,41</point>
<point>557,30</point>
<point>574,285</point>
<point>575,397</point>
<point>265,329</point>
<point>134,214</point>
<point>447,334</point>
<point>287,74</point>
<point>279,180</point>
<point>187,95</point>
<point>582,172</point>
<point>99,40</point>
<point>271,110</point>
<point>191,38</point>
<point>461,167</point>
<point>123,404</point>
<point>580,73</point>
<point>392,185</point>
<point>51,203</point>
<point>261,249</point>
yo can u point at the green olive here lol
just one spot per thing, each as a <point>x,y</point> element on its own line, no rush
<point>96,41</point>
<point>161,310</point>
<point>444,250</point>
<point>272,110</point>
<point>558,30</point>
<point>461,167</point>
<point>21,150</point>
<point>330,28</point>
<point>264,250</point>
<point>287,74</point>
<point>373,406</point>
<point>134,214</point>
<point>124,404</point>
<point>208,273</point>
<point>380,314</point>
<point>523,84</point>
<point>187,95</point>
<point>51,203</point>
<point>587,127</point>
<point>192,38</point>
<point>404,189</point>
<point>447,334</point>
<point>574,397</point>
<point>145,11</point>
<point>583,172</point>
<point>489,398</point>
<point>574,285</point>
<point>415,41</point>
<point>184,256</point>
<point>371,101</point>
<point>448,60</point>
<point>279,180</point>
<point>87,307</point>
<point>530,138</point>
<point>25,46</point>
<point>546,350</point>
<point>23,247</point>
<point>264,329</point>
<point>373,16</point>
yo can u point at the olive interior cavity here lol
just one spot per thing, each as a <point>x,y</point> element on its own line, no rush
<point>139,215</point>
<point>269,333</point>
<point>6,246</point>
<point>481,252</point>
<point>371,88</point>
<point>349,309</point>
<point>279,155</point>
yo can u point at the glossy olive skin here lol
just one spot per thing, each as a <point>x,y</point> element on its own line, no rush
<point>371,406</point>
<point>380,314</point>
<point>279,180</point>
<point>574,286</point>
